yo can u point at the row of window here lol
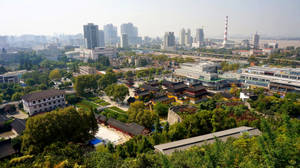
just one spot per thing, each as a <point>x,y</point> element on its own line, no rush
<point>46,104</point>
<point>48,109</point>
<point>54,97</point>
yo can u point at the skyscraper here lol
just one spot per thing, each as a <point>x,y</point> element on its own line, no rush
<point>131,31</point>
<point>199,35</point>
<point>182,37</point>
<point>255,41</point>
<point>101,38</point>
<point>169,41</point>
<point>91,35</point>
<point>110,34</point>
<point>124,41</point>
<point>188,38</point>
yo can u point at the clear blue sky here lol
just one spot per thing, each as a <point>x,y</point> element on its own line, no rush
<point>152,17</point>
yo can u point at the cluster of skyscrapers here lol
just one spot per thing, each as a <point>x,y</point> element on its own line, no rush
<point>94,37</point>
<point>185,39</point>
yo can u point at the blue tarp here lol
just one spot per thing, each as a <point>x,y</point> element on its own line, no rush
<point>95,141</point>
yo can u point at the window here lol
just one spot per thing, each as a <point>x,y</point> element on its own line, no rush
<point>33,102</point>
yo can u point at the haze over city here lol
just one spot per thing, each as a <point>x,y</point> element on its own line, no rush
<point>149,83</point>
<point>153,18</point>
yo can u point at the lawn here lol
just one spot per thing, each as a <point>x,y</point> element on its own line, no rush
<point>116,113</point>
<point>86,105</point>
<point>99,101</point>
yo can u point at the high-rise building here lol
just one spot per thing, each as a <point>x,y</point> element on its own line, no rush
<point>101,38</point>
<point>199,35</point>
<point>3,42</point>
<point>124,41</point>
<point>169,41</point>
<point>131,31</point>
<point>255,41</point>
<point>188,38</point>
<point>182,37</point>
<point>110,34</point>
<point>91,36</point>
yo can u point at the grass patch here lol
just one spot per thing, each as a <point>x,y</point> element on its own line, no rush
<point>118,109</point>
<point>98,101</point>
<point>116,113</point>
<point>86,105</point>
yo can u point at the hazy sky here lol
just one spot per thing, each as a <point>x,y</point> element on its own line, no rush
<point>152,17</point>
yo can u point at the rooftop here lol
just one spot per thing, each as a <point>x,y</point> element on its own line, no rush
<point>6,149</point>
<point>130,128</point>
<point>18,125</point>
<point>169,148</point>
<point>42,94</point>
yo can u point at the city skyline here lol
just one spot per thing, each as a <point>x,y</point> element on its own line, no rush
<point>245,18</point>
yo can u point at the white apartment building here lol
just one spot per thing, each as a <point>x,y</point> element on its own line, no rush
<point>205,73</point>
<point>277,79</point>
<point>43,101</point>
<point>87,70</point>
<point>12,77</point>
<point>203,70</point>
<point>85,54</point>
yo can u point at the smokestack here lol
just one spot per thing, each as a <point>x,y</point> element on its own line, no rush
<point>225,32</point>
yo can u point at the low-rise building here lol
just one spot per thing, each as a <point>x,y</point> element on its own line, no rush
<point>177,113</point>
<point>85,54</point>
<point>205,73</point>
<point>275,79</point>
<point>87,70</point>
<point>169,148</point>
<point>195,93</point>
<point>43,101</point>
<point>12,77</point>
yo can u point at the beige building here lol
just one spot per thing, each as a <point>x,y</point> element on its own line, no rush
<point>87,70</point>
<point>43,101</point>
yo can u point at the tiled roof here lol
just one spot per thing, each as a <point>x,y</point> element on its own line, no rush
<point>183,144</point>
<point>6,149</point>
<point>42,94</point>
<point>131,128</point>
<point>18,125</point>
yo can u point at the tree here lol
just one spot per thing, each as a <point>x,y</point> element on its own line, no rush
<point>161,109</point>
<point>55,74</point>
<point>84,83</point>
<point>63,125</point>
<point>138,113</point>
<point>107,79</point>
<point>9,108</point>
<point>16,96</point>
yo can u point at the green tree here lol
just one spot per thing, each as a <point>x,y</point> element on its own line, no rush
<point>55,74</point>
<point>161,109</point>
<point>16,96</point>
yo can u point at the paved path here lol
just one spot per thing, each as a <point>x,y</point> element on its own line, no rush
<point>112,103</point>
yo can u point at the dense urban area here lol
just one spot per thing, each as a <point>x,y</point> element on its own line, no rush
<point>99,99</point>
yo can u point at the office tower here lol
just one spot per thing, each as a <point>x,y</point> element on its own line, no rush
<point>124,41</point>
<point>245,44</point>
<point>3,42</point>
<point>110,34</point>
<point>101,38</point>
<point>169,41</point>
<point>131,31</point>
<point>91,35</point>
<point>255,41</point>
<point>182,37</point>
<point>199,35</point>
<point>225,32</point>
<point>188,38</point>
